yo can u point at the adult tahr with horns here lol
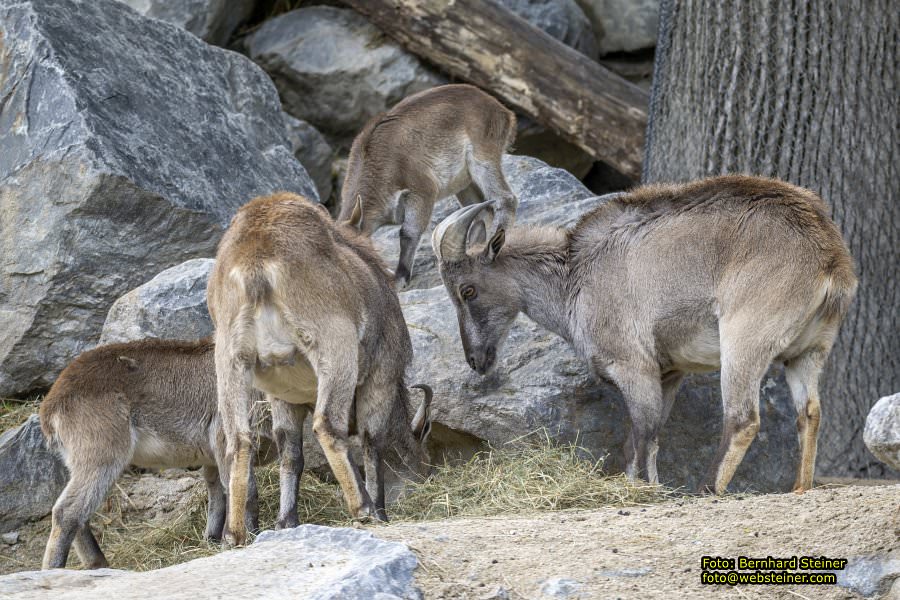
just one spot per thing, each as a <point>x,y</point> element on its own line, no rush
<point>443,141</point>
<point>728,273</point>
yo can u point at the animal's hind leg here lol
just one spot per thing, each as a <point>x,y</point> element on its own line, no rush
<point>233,381</point>
<point>335,362</point>
<point>802,375</point>
<point>417,215</point>
<point>487,175</point>
<point>287,427</point>
<point>72,511</point>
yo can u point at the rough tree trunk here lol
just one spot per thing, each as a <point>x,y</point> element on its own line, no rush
<point>485,44</point>
<point>804,91</point>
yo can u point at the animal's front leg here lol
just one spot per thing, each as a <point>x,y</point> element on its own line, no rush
<point>417,214</point>
<point>215,507</point>
<point>287,426</point>
<point>374,466</point>
<point>88,549</point>
<point>488,177</point>
<point>670,383</point>
<point>251,517</point>
<point>640,385</point>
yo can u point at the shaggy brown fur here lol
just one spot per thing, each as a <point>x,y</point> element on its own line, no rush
<point>726,273</point>
<point>443,141</point>
<point>149,403</point>
<point>303,311</point>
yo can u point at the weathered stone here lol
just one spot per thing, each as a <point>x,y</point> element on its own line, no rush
<point>11,538</point>
<point>882,432</point>
<point>110,173</point>
<point>309,561</point>
<point>563,20</point>
<point>172,305</point>
<point>334,69</point>
<point>560,587</point>
<point>314,153</point>
<point>538,142</point>
<point>212,21</point>
<point>31,476</point>
<point>870,576</point>
<point>623,25</point>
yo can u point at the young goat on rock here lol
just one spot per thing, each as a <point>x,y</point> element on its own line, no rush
<point>305,311</point>
<point>150,403</point>
<point>443,141</point>
<point>726,273</point>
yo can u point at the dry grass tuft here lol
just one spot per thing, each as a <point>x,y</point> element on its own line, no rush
<point>537,474</point>
<point>15,412</point>
<point>528,476</point>
<point>141,546</point>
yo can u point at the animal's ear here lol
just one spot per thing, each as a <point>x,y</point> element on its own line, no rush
<point>356,217</point>
<point>477,233</point>
<point>495,244</point>
<point>323,208</point>
<point>421,423</point>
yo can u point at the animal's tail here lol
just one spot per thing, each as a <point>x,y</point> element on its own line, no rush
<point>50,437</point>
<point>511,132</point>
<point>48,415</point>
<point>840,290</point>
<point>260,332</point>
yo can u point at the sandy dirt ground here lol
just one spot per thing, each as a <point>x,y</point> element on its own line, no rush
<point>651,552</point>
<point>634,553</point>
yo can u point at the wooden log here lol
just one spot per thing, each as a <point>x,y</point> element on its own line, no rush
<point>487,45</point>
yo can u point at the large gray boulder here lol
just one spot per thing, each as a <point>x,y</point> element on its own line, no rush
<point>172,305</point>
<point>212,21</point>
<point>623,25</point>
<point>334,69</point>
<point>31,476</point>
<point>313,151</point>
<point>882,432</point>
<point>561,19</point>
<point>310,561</point>
<point>109,173</point>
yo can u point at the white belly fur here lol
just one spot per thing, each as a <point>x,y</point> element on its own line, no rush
<point>295,383</point>
<point>154,452</point>
<point>702,353</point>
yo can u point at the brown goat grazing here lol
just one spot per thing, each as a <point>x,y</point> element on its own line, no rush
<point>443,141</point>
<point>305,311</point>
<point>725,273</point>
<point>150,403</point>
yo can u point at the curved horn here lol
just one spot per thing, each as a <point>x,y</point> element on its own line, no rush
<point>421,418</point>
<point>449,237</point>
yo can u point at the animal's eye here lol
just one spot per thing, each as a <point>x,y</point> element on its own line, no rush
<point>468,292</point>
